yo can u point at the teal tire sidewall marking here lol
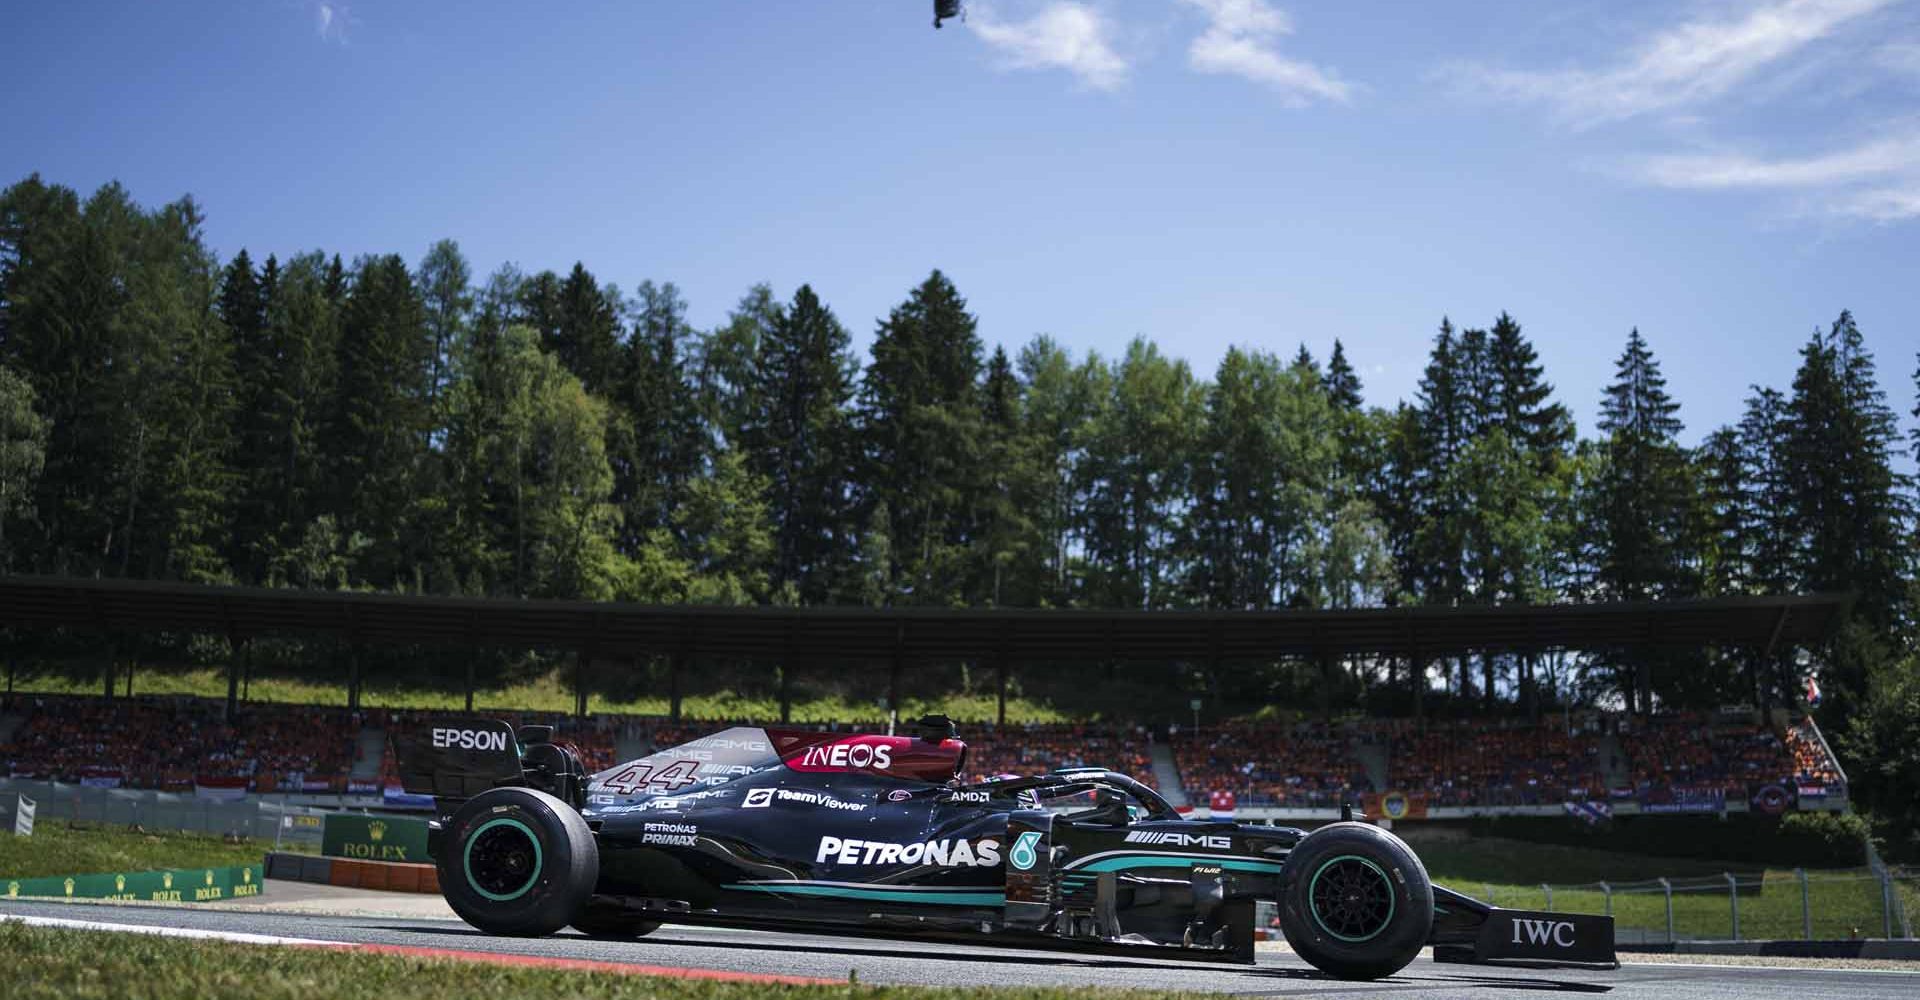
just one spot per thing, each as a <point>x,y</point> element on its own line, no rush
<point>466,859</point>
<point>1023,855</point>
<point>1392,903</point>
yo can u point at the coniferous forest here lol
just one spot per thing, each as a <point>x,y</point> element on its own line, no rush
<point>384,424</point>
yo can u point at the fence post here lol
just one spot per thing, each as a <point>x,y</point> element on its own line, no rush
<point>1549,891</point>
<point>1733,898</point>
<point>1608,889</point>
<point>1806,907</point>
<point>1886,902</point>
<point>1668,886</point>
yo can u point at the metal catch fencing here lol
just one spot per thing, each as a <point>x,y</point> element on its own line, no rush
<point>257,817</point>
<point>1819,905</point>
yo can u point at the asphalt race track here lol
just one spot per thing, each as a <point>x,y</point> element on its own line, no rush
<point>945,964</point>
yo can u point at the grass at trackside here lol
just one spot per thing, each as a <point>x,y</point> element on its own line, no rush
<point>549,693</point>
<point>1845,903</point>
<point>81,965</point>
<point>58,849</point>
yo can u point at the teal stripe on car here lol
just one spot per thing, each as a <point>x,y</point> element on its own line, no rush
<point>883,895</point>
<point>1171,861</point>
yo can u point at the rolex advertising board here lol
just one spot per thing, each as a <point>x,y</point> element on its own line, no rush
<point>179,885</point>
<point>374,838</point>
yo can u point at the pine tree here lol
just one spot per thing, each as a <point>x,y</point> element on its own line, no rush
<point>1008,547</point>
<point>657,444</point>
<point>1057,397</point>
<point>446,292</point>
<point>383,419</point>
<point>1849,507</point>
<point>195,413</point>
<point>243,308</point>
<point>800,442</point>
<point>1646,497</point>
<point>290,487</point>
<point>23,453</point>
<point>1645,502</point>
<point>587,329</point>
<point>1726,564</point>
<point>725,365</point>
<point>1303,361</point>
<point>1769,543</point>
<point>1520,400</point>
<point>1445,411</point>
<point>1916,407</point>
<point>921,431</point>
<point>1526,436</point>
<point>728,534</point>
<point>1136,477</point>
<point>1264,467</point>
<point>1343,384</point>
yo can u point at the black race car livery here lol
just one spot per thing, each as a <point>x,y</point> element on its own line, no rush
<point>870,833</point>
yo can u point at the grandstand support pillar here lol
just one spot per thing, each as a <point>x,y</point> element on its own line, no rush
<point>999,680</point>
<point>1326,658</point>
<point>582,660</point>
<point>893,674</point>
<point>353,677</point>
<point>675,665</point>
<point>469,682</point>
<point>241,648</point>
<point>1417,668</point>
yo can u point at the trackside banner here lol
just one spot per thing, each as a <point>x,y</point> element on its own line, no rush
<point>179,885</point>
<point>374,838</point>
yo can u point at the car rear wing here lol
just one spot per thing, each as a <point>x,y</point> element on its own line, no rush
<point>455,760</point>
<point>1465,930</point>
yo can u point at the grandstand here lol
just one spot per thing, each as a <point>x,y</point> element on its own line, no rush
<point>1679,762</point>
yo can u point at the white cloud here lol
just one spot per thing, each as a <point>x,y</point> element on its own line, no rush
<point>1877,158</point>
<point>1240,41</point>
<point>1063,35</point>
<point>1877,180</point>
<point>1690,63</point>
<point>331,21</point>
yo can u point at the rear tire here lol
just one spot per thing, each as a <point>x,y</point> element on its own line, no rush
<point>1355,901</point>
<point>518,862</point>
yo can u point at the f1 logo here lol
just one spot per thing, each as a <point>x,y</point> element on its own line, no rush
<point>758,798</point>
<point>1543,932</point>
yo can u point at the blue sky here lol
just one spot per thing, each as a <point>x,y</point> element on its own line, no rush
<point>1725,174</point>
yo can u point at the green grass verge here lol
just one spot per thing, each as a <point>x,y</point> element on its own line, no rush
<point>58,849</point>
<point>1844,903</point>
<point>549,693</point>
<point>81,965</point>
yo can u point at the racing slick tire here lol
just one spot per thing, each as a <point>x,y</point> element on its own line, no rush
<point>518,862</point>
<point>1355,901</point>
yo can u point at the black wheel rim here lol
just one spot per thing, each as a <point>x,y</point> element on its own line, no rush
<point>1351,898</point>
<point>503,859</point>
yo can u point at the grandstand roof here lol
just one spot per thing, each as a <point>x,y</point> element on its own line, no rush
<point>908,634</point>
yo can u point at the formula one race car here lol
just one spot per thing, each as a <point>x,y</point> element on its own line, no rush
<point>795,829</point>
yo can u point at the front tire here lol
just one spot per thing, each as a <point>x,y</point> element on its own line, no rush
<point>518,862</point>
<point>1355,901</point>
